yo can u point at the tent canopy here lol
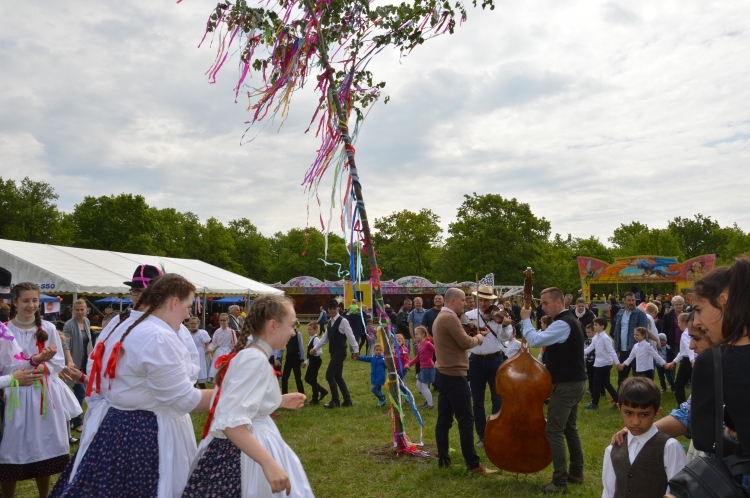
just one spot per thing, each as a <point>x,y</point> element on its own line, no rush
<point>229,300</point>
<point>68,270</point>
<point>112,301</point>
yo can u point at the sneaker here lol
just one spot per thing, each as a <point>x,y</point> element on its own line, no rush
<point>429,407</point>
<point>550,488</point>
<point>332,404</point>
<point>613,407</point>
<point>424,405</point>
<point>591,406</point>
<point>480,442</point>
<point>380,404</point>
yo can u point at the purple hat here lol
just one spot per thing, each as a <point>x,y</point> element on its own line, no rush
<point>143,275</point>
<point>5,278</point>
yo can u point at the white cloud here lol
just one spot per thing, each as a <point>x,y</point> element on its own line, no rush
<point>595,113</point>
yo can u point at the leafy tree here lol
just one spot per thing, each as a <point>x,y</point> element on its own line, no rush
<point>738,242</point>
<point>115,223</point>
<point>623,236</point>
<point>492,235</point>
<point>220,248</point>
<point>28,212</point>
<point>407,243</point>
<point>252,248</point>
<point>700,235</point>
<point>298,252</point>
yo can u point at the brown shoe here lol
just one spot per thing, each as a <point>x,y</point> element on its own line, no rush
<point>575,479</point>
<point>483,470</point>
<point>551,488</point>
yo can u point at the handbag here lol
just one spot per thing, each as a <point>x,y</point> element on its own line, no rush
<point>715,477</point>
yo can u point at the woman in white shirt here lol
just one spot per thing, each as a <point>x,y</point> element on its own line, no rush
<point>35,436</point>
<point>138,437</point>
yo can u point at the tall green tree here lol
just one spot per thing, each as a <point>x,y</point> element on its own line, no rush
<point>115,223</point>
<point>408,243</point>
<point>28,211</point>
<point>492,234</point>
<point>252,248</point>
<point>299,252</point>
<point>699,235</point>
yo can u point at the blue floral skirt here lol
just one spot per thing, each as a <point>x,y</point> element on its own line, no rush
<point>218,473</point>
<point>122,460</point>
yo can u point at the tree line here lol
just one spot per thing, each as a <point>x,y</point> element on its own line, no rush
<point>491,234</point>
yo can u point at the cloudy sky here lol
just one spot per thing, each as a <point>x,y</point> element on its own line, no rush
<point>595,113</point>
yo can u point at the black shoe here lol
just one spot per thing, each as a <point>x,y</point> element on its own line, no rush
<point>444,462</point>
<point>332,404</point>
<point>323,394</point>
<point>315,402</point>
<point>347,402</point>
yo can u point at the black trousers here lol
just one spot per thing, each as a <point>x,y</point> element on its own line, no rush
<point>292,365</point>
<point>684,373</point>
<point>623,374</point>
<point>646,373</point>
<point>602,382</point>
<point>335,377</point>
<point>311,376</point>
<point>455,400</point>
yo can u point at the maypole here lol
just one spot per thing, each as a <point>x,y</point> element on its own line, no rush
<point>294,32</point>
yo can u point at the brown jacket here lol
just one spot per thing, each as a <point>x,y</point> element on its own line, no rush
<point>451,343</point>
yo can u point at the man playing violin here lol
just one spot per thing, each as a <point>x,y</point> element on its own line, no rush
<point>563,340</point>
<point>486,358</point>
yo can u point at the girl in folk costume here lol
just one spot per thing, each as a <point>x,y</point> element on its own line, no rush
<point>202,341</point>
<point>225,338</point>
<point>242,453</point>
<point>138,437</point>
<point>35,440</point>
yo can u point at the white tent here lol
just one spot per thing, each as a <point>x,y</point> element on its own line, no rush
<point>69,270</point>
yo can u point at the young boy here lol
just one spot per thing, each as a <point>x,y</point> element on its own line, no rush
<point>314,362</point>
<point>646,461</point>
<point>605,358</point>
<point>684,359</point>
<point>643,354</point>
<point>511,347</point>
<point>665,376</point>
<point>377,372</point>
<point>590,356</point>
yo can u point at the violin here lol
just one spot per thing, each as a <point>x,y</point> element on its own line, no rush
<point>514,438</point>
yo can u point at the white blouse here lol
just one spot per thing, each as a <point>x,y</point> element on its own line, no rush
<point>249,390</point>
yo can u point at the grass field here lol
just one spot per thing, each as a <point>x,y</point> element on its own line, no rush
<point>348,452</point>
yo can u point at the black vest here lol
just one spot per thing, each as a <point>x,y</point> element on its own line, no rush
<point>336,340</point>
<point>292,347</point>
<point>309,347</point>
<point>645,477</point>
<point>565,360</point>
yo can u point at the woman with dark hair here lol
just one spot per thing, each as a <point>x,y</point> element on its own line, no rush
<point>138,438</point>
<point>35,436</point>
<point>721,302</point>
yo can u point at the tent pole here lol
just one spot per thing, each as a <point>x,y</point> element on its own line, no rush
<point>205,301</point>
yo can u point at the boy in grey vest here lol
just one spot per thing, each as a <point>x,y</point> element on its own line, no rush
<point>643,464</point>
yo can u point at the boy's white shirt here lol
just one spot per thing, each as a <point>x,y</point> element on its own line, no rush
<point>685,351</point>
<point>601,343</point>
<point>674,459</point>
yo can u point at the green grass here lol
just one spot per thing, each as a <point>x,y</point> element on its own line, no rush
<point>348,451</point>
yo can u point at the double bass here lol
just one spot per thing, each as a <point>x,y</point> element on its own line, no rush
<point>515,439</point>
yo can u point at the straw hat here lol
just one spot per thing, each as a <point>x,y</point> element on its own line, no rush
<point>485,292</point>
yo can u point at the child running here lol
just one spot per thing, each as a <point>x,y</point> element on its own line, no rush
<point>643,354</point>
<point>242,453</point>
<point>377,372</point>
<point>426,375</point>
<point>314,362</point>
<point>605,358</point>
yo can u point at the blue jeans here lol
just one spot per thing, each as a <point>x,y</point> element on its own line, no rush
<point>482,372</point>
<point>378,392</point>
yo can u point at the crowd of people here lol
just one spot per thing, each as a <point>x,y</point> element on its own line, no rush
<point>149,369</point>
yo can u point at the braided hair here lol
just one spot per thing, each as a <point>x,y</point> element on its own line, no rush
<point>41,334</point>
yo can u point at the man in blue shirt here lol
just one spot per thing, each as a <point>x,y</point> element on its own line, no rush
<point>322,318</point>
<point>625,323</point>
<point>563,356</point>
<point>415,320</point>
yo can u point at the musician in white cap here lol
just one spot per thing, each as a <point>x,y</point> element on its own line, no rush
<point>485,359</point>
